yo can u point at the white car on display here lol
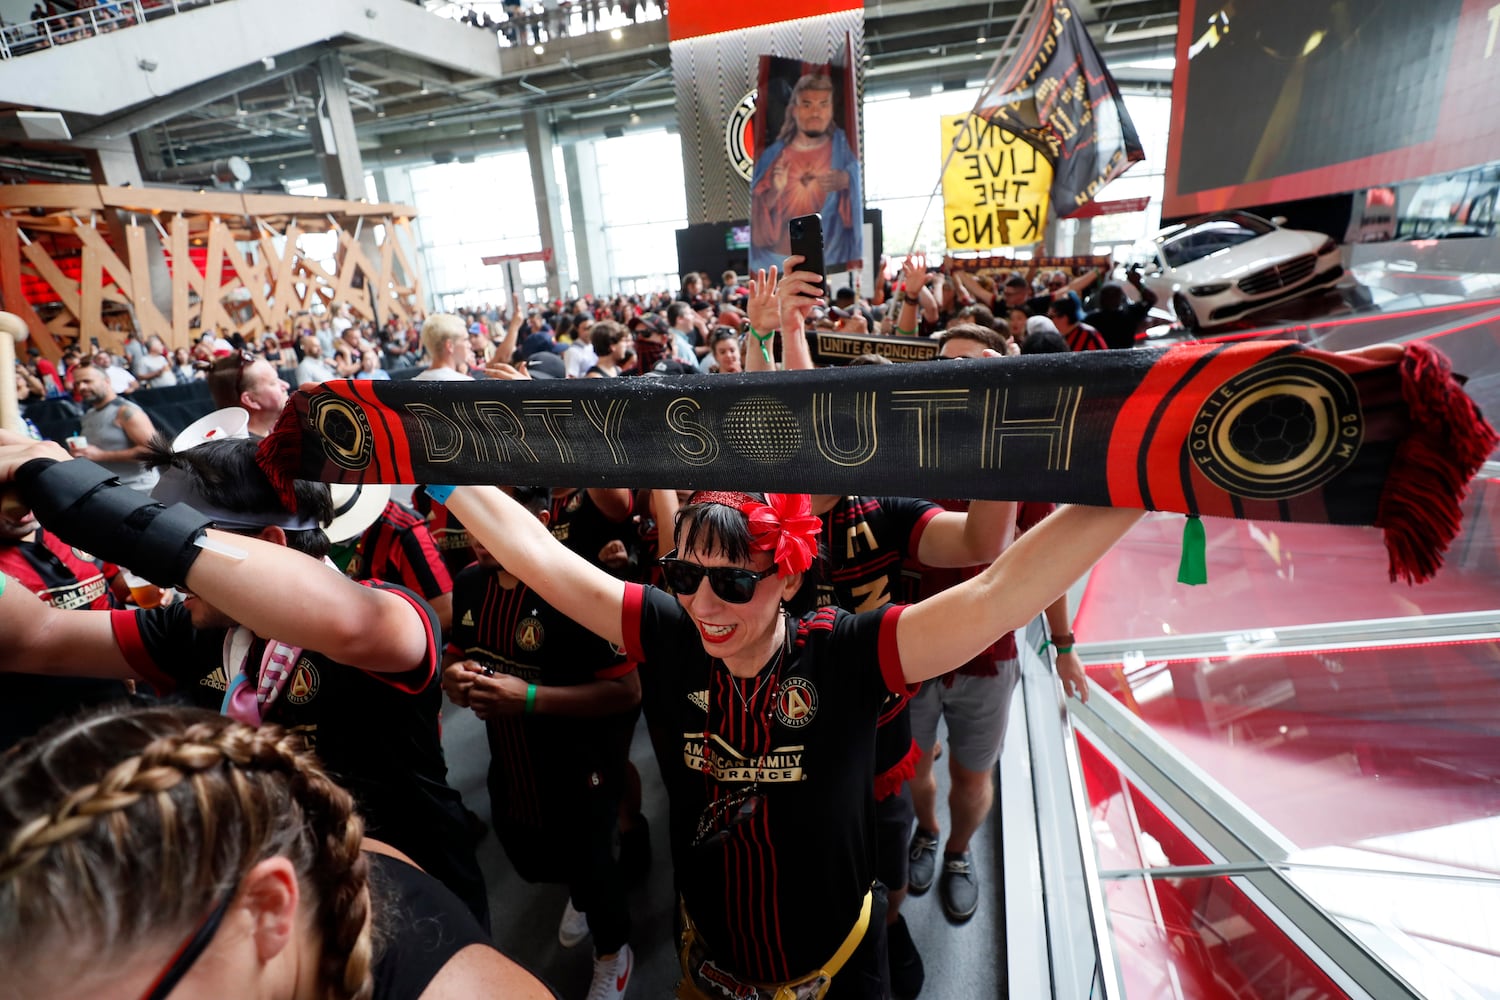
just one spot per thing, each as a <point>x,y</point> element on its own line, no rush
<point>1222,267</point>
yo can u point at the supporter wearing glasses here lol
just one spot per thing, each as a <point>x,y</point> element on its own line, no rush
<point>244,380</point>
<point>772,787</point>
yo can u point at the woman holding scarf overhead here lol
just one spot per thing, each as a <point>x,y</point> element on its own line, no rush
<point>771,799</point>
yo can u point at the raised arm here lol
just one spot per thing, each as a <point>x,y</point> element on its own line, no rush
<point>948,629</point>
<point>272,590</point>
<point>968,538</point>
<point>269,590</point>
<point>973,287</point>
<point>524,546</point>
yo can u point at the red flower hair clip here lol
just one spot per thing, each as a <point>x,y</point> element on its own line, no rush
<point>784,525</point>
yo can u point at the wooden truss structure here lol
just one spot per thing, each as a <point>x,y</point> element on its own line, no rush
<point>235,261</point>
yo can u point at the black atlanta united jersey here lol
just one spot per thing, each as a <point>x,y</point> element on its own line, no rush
<point>866,540</point>
<point>62,577</point>
<point>578,523</point>
<point>772,794</point>
<point>543,768</point>
<point>377,733</point>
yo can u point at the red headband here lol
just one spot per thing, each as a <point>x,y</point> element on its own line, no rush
<point>783,525</point>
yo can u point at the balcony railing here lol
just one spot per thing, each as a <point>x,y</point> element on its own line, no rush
<point>87,22</point>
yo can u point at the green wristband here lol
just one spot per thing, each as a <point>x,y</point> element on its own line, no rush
<point>765,341</point>
<point>1063,649</point>
<point>530,699</point>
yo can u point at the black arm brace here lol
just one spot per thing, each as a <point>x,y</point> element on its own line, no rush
<point>85,505</point>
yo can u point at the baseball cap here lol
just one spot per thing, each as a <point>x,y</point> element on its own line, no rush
<point>545,364</point>
<point>671,366</point>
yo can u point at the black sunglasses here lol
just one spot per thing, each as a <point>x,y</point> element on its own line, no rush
<point>723,815</point>
<point>730,583</point>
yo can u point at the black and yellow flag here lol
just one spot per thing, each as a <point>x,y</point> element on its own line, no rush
<point>1058,96</point>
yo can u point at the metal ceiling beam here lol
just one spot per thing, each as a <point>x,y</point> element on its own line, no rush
<point>192,98</point>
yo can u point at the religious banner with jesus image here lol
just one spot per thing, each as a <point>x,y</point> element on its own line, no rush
<point>807,125</point>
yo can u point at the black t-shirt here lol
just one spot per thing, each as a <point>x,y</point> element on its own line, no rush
<point>1118,326</point>
<point>541,766</point>
<point>376,733</point>
<point>776,896</point>
<point>421,925</point>
<point>865,542</point>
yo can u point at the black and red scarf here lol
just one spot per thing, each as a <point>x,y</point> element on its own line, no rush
<point>1268,430</point>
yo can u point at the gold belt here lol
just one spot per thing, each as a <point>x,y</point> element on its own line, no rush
<point>809,987</point>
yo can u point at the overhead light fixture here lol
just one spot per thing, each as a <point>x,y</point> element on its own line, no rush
<point>472,130</point>
<point>635,119</point>
<point>302,126</point>
<point>281,166</point>
<point>423,90</point>
<point>980,40</point>
<point>616,34</point>
<point>1111,34</point>
<point>539,48</point>
<point>979,55</point>
<point>431,122</point>
<point>397,151</point>
<point>592,95</point>
<point>380,114</point>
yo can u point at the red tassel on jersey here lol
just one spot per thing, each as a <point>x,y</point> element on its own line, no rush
<point>1448,440</point>
<point>890,782</point>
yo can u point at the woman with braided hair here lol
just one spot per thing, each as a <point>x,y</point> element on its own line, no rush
<point>161,852</point>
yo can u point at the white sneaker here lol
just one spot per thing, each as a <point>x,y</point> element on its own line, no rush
<point>574,927</point>
<point>612,975</point>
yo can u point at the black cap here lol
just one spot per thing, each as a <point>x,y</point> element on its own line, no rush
<point>545,364</point>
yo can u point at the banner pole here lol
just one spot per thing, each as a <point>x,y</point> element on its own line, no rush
<point>989,81</point>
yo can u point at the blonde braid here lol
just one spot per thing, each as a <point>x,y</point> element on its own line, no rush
<point>217,794</point>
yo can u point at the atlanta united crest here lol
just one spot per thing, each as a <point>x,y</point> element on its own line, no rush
<point>530,635</point>
<point>303,687</point>
<point>796,702</point>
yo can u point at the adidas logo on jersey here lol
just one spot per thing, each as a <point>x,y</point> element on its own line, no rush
<point>218,680</point>
<point>699,699</point>
<point>468,619</point>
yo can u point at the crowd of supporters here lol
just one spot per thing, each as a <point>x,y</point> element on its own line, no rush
<point>789,637</point>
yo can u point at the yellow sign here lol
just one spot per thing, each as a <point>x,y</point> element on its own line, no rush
<point>995,187</point>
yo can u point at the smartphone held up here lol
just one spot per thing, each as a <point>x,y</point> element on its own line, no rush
<point>806,233</point>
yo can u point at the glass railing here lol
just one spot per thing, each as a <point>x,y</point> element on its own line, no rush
<point>87,22</point>
<point>538,25</point>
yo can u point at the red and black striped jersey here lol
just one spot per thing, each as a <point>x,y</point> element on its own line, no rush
<point>772,798</point>
<point>861,566</point>
<point>541,766</point>
<point>1086,338</point>
<point>398,548</point>
<point>448,533</point>
<point>57,573</point>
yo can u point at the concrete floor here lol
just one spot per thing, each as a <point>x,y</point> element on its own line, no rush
<point>963,963</point>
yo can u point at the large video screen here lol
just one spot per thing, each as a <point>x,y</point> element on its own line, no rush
<point>1275,100</point>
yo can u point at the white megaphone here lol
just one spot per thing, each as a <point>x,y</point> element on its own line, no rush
<point>230,422</point>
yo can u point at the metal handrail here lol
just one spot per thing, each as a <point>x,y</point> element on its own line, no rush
<point>102,18</point>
